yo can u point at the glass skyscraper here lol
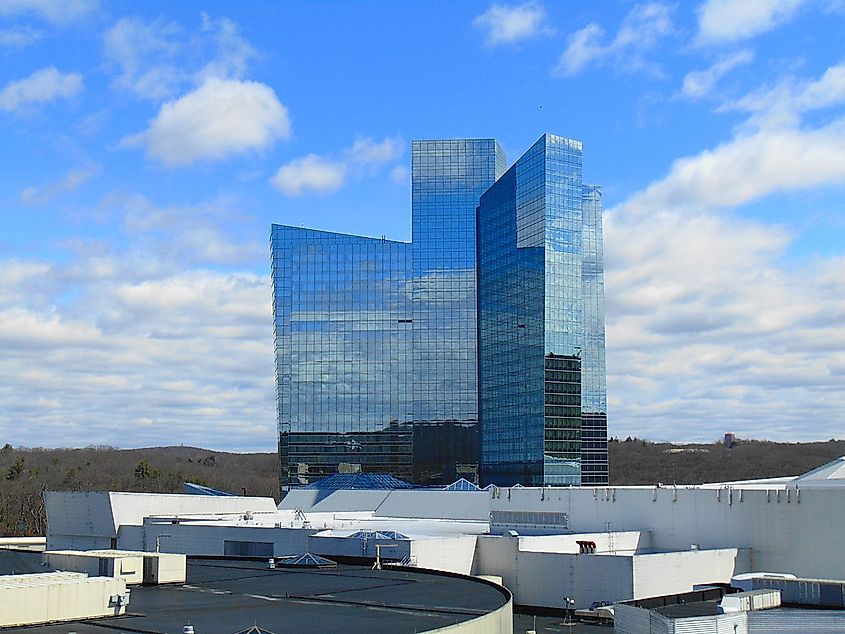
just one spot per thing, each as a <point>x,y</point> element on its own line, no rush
<point>462,353</point>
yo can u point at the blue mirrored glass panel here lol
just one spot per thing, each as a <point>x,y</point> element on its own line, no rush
<point>594,467</point>
<point>538,255</point>
<point>342,320</point>
<point>448,178</point>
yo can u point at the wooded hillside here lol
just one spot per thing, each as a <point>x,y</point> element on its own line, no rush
<point>26,473</point>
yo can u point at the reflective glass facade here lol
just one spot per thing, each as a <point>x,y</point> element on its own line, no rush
<point>448,178</point>
<point>342,319</point>
<point>594,371</point>
<point>391,356</point>
<point>536,353</point>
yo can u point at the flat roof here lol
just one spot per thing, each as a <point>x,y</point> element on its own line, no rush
<point>687,610</point>
<point>223,596</point>
<point>21,562</point>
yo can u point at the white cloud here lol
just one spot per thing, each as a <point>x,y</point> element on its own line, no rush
<point>156,59</point>
<point>639,32</point>
<point>400,175</point>
<point>60,13</point>
<point>783,104</point>
<point>365,151</point>
<point>43,86</point>
<point>749,167</point>
<point>510,24</point>
<point>310,174</point>
<point>219,119</point>
<point>700,83</point>
<point>323,175</point>
<point>69,182</point>
<point>191,234</point>
<point>233,53</point>
<point>193,344</point>
<point>144,339</point>
<point>731,20</point>
<point>709,328</point>
<point>19,36</point>
<point>144,53</point>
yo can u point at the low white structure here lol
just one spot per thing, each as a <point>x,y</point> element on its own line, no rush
<point>59,596</point>
<point>748,601</point>
<point>551,546</point>
<point>23,543</point>
<point>87,520</point>
<point>134,567</point>
<point>756,612</point>
<point>549,572</point>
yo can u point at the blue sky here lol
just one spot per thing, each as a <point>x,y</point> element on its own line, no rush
<point>148,146</point>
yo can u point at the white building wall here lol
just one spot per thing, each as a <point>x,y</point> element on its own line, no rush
<point>782,529</point>
<point>658,574</point>
<point>547,578</point>
<point>452,554</point>
<point>202,539</point>
<point>84,520</point>
<point>496,556</point>
<point>613,543</point>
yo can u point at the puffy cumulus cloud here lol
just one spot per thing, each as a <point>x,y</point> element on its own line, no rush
<point>232,53</point>
<point>143,54</point>
<point>19,36</point>
<point>750,167</point>
<point>154,60</point>
<point>710,328</point>
<point>700,83</point>
<point>504,24</point>
<point>783,104</point>
<point>366,152</point>
<point>74,179</point>
<point>193,235</point>
<point>731,20</point>
<point>43,86</point>
<point>400,175</point>
<point>641,29</point>
<point>185,358</point>
<point>220,119</point>
<point>60,13</point>
<point>164,336</point>
<point>324,175</point>
<point>310,174</point>
<point>18,279</point>
<point>23,329</point>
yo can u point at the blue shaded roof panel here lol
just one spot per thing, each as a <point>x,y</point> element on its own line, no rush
<point>374,535</point>
<point>345,481</point>
<point>306,560</point>
<point>189,488</point>
<point>462,485</point>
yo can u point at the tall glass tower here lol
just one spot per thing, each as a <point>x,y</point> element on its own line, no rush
<point>448,178</point>
<point>476,350</point>
<point>530,318</point>
<point>593,370</point>
<point>342,321</point>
